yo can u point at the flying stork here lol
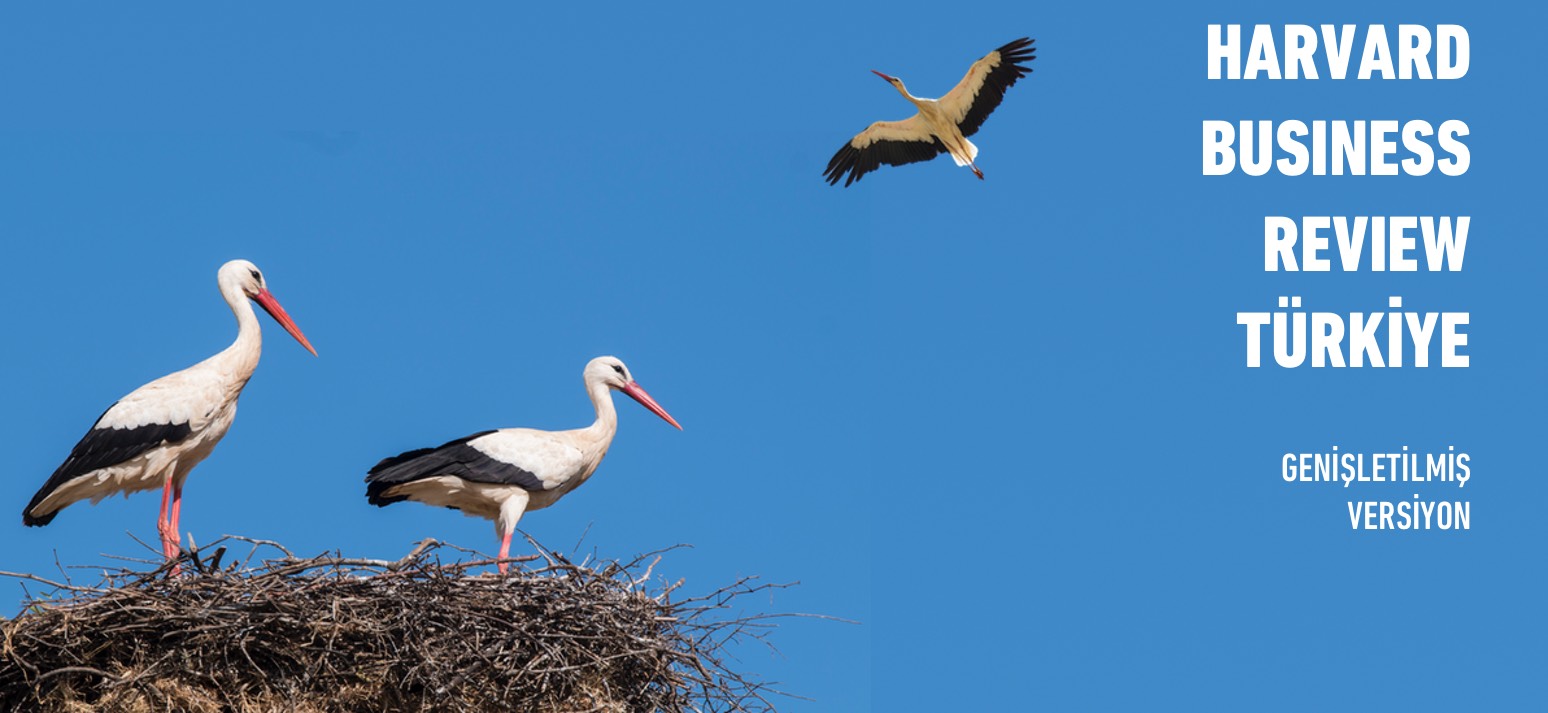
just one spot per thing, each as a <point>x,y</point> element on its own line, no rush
<point>499,475</point>
<point>157,434</point>
<point>941,125</point>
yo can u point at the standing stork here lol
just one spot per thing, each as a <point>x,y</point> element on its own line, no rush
<point>157,434</point>
<point>941,126</point>
<point>499,475</point>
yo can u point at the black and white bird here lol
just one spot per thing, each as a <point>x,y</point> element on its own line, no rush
<point>499,475</point>
<point>941,125</point>
<point>157,434</point>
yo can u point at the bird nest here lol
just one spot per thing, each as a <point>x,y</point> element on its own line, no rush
<point>330,633</point>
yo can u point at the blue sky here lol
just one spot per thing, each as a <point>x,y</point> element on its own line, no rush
<point>1004,424</point>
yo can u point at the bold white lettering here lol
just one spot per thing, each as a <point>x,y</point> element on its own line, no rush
<point>1228,51</point>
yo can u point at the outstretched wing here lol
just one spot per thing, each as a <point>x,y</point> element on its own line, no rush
<point>971,101</point>
<point>885,142</point>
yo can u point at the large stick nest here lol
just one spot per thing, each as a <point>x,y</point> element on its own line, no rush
<point>334,634</point>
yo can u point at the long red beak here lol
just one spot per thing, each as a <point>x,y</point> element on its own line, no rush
<point>637,393</point>
<point>272,306</point>
<point>883,76</point>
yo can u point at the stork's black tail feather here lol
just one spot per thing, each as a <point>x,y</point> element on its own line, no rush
<point>407,467</point>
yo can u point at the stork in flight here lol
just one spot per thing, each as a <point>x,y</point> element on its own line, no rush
<point>157,434</point>
<point>499,475</point>
<point>941,126</point>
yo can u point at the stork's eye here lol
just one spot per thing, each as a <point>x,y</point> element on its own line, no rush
<point>618,368</point>
<point>256,276</point>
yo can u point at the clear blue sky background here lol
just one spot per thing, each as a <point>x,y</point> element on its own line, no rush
<point>1004,425</point>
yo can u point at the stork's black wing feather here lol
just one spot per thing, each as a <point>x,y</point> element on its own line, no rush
<point>857,162</point>
<point>455,458</point>
<point>99,448</point>
<point>995,82</point>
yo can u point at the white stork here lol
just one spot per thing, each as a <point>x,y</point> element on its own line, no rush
<point>157,434</point>
<point>941,126</point>
<point>499,475</point>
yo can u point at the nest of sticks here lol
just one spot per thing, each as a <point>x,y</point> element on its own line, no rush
<point>275,632</point>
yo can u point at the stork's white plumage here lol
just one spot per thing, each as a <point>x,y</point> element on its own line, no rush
<point>157,434</point>
<point>941,126</point>
<point>499,475</point>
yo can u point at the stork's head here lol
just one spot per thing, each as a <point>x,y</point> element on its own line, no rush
<point>896,84</point>
<point>894,81</point>
<point>610,371</point>
<point>244,277</point>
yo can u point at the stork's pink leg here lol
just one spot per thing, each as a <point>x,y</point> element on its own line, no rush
<point>177,511</point>
<point>505,551</point>
<point>163,523</point>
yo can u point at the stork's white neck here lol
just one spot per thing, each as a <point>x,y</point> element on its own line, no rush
<point>904,91</point>
<point>607,417</point>
<point>240,359</point>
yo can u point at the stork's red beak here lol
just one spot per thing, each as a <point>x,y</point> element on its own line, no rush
<point>272,306</point>
<point>883,76</point>
<point>638,394</point>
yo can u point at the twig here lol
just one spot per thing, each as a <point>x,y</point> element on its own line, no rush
<point>73,669</point>
<point>49,582</point>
